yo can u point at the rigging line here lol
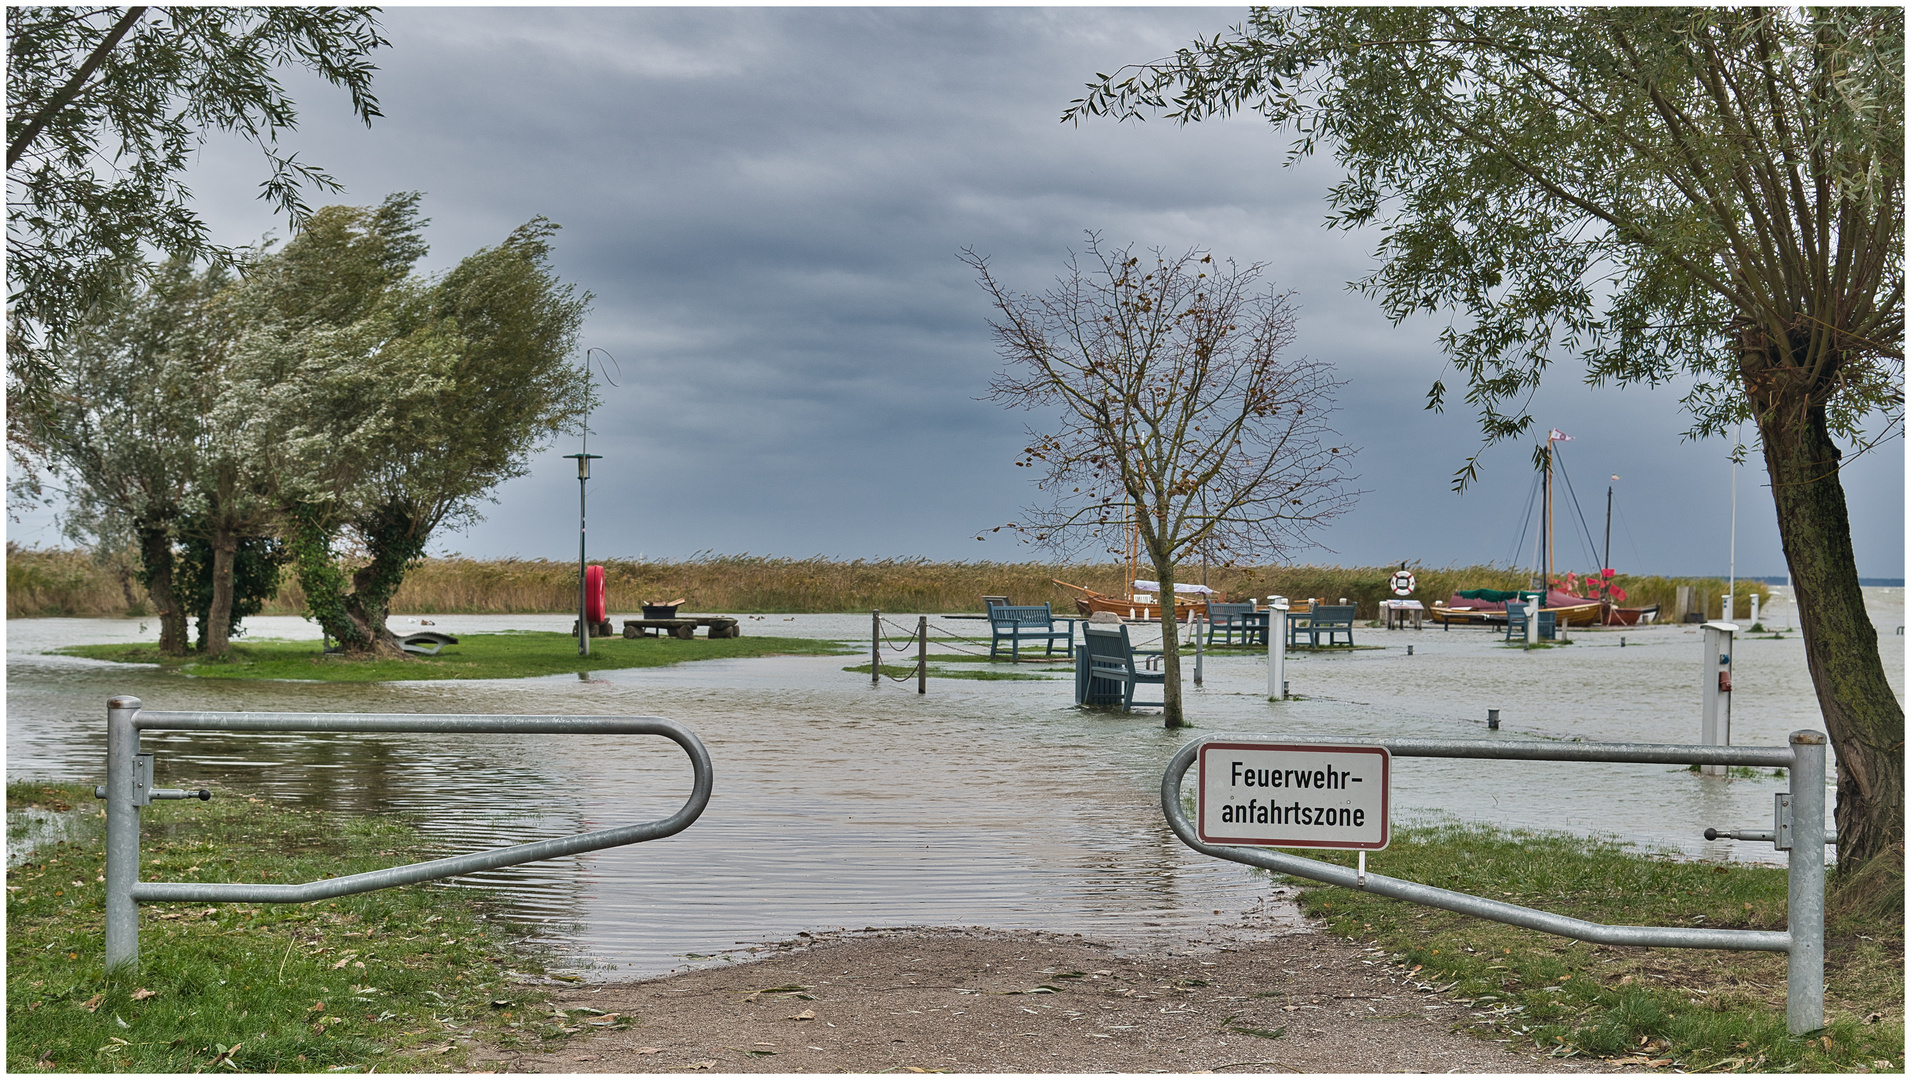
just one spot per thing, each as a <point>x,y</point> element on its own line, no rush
<point>1630,542</point>
<point>1585,529</point>
<point>1526,516</point>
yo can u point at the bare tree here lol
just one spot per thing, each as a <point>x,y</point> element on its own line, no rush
<point>1175,411</point>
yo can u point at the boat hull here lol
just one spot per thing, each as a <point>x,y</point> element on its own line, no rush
<point>1088,602</point>
<point>1565,615</point>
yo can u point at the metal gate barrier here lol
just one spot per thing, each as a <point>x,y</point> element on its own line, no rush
<point>1800,828</point>
<point>129,786</point>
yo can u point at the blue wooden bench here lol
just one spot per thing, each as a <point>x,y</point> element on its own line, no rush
<point>1018,623</point>
<point>1326,619</point>
<point>1516,622</point>
<point>1105,673</point>
<point>1231,619</point>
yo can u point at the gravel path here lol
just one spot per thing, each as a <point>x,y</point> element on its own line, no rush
<point>977,1000</point>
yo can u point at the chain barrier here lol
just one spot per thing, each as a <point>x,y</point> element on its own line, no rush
<point>947,638</point>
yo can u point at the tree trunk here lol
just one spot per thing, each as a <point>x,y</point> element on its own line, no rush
<point>1171,714</point>
<point>156,570</point>
<point>1863,717</point>
<point>395,537</point>
<point>369,609</point>
<point>219,617</point>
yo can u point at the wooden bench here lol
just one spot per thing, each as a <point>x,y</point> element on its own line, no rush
<point>1230,619</point>
<point>1016,624</point>
<point>1329,619</point>
<point>684,627</point>
<point>1105,673</point>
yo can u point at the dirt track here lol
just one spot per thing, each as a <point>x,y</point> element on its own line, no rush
<point>976,1000</point>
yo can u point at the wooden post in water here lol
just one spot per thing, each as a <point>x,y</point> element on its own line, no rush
<point>922,654</point>
<point>1196,623</point>
<point>875,646</point>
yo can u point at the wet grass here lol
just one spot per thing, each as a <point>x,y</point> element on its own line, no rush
<point>1686,1009</point>
<point>513,655</point>
<point>407,979</point>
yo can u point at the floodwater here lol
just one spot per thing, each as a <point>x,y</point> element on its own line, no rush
<point>981,803</point>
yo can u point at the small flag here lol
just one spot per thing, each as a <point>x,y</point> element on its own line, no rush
<point>1557,435</point>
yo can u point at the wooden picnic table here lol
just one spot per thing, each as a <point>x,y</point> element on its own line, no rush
<point>683,627</point>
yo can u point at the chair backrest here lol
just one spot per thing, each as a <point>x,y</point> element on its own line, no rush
<point>1108,645</point>
<point>1515,609</point>
<point>1026,613</point>
<point>1228,612</point>
<point>1334,613</point>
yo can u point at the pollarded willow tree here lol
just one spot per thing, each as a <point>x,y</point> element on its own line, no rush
<point>400,402</point>
<point>1174,409</point>
<point>1712,196</point>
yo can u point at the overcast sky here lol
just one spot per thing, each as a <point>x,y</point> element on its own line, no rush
<point>768,205</point>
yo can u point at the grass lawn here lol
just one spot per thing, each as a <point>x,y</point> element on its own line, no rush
<point>400,979</point>
<point>1694,1010</point>
<point>512,655</point>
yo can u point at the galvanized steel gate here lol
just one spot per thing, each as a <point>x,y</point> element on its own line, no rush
<point>129,776</point>
<point>1799,827</point>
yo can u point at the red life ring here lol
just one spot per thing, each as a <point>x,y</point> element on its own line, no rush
<point>594,594</point>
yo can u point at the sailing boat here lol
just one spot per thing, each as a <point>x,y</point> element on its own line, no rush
<point>1140,603</point>
<point>1488,606</point>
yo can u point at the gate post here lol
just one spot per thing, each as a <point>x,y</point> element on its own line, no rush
<point>1805,906</point>
<point>1277,647</point>
<point>122,835</point>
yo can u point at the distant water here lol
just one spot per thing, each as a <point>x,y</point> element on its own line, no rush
<point>981,803</point>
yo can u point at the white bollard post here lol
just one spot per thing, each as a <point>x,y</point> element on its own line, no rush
<point>1754,609</point>
<point>1532,620</point>
<point>1715,690</point>
<point>1276,647</point>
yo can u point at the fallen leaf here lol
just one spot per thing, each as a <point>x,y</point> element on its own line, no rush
<point>806,1014</point>
<point>93,1003</point>
<point>142,994</point>
<point>319,1006</point>
<point>348,959</point>
<point>650,1050</point>
<point>1659,1063</point>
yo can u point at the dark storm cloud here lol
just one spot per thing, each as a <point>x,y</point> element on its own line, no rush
<point>768,204</point>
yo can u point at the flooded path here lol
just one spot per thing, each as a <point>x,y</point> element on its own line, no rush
<point>982,803</point>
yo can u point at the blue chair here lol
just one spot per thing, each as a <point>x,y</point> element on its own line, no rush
<point>1110,673</point>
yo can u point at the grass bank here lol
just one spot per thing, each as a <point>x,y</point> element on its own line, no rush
<point>399,980</point>
<point>513,655</point>
<point>1689,1009</point>
<point>47,583</point>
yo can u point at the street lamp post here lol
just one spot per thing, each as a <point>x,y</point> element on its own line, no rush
<point>583,624</point>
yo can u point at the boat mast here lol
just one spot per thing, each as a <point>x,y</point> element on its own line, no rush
<point>1546,568</point>
<point>1607,557</point>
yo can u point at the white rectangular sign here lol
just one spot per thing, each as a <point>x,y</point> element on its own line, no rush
<point>1292,795</point>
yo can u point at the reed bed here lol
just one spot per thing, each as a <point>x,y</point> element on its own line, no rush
<point>57,582</point>
<point>49,583</point>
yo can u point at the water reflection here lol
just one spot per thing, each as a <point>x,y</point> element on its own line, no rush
<point>981,803</point>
